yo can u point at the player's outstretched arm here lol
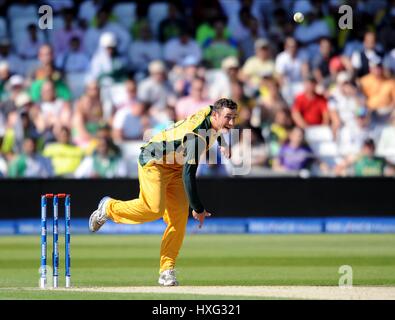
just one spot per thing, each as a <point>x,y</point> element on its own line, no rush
<point>194,148</point>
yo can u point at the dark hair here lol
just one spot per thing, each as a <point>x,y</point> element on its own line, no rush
<point>369,142</point>
<point>224,103</point>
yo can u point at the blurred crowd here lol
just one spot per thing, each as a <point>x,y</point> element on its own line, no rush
<point>77,99</point>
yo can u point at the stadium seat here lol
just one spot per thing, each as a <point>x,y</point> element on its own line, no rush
<point>386,148</point>
<point>321,141</point>
<point>318,134</point>
<point>156,13</point>
<point>327,152</point>
<point>130,153</point>
<point>126,14</point>
<point>325,149</point>
<point>16,11</point>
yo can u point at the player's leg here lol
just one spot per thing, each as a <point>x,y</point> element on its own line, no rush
<point>151,202</point>
<point>148,207</point>
<point>176,218</point>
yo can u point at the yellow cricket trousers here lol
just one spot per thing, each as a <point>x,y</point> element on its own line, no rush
<point>162,194</point>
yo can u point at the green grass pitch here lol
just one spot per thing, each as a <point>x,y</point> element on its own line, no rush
<point>215,260</point>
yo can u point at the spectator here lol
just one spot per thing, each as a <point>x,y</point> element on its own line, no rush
<point>144,50</point>
<point>206,14</point>
<point>244,103</point>
<point>46,71</point>
<point>220,46</point>
<point>12,60</point>
<point>10,113</point>
<point>88,116</point>
<point>196,100</point>
<point>61,88</point>
<point>104,132</point>
<point>31,43</point>
<point>312,29</point>
<point>344,102</point>
<point>269,101</point>
<point>182,76</point>
<point>295,154</point>
<point>365,164</point>
<point>351,41</point>
<point>279,130</point>
<point>130,95</point>
<point>177,49</point>
<point>62,38</point>
<point>280,28</point>
<point>155,91</point>
<point>74,59</point>
<point>88,10</point>
<point>104,163</point>
<point>27,118</point>
<point>309,107</point>
<point>107,65</point>
<point>370,52</point>
<point>130,122</point>
<point>246,44</point>
<point>104,26</point>
<point>351,137</point>
<point>53,112</point>
<point>65,156</point>
<point>262,62</point>
<point>46,65</point>
<point>30,164</point>
<point>249,154</point>
<point>239,24</point>
<point>291,68</point>
<point>378,89</point>
<point>320,62</point>
<point>141,20</point>
<point>219,83</point>
<point>13,88</point>
<point>173,25</point>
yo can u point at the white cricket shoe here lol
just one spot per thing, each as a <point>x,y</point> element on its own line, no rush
<point>168,278</point>
<point>99,216</point>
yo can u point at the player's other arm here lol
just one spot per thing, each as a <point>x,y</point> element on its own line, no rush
<point>224,147</point>
<point>194,148</point>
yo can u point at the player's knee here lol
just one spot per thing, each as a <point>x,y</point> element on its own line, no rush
<point>158,210</point>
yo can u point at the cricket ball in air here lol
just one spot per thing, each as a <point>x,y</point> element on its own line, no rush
<point>298,17</point>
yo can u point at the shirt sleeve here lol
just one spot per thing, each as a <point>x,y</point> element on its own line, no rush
<point>297,104</point>
<point>194,148</point>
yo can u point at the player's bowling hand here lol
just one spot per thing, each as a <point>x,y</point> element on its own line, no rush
<point>200,216</point>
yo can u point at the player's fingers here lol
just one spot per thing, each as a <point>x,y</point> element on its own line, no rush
<point>208,214</point>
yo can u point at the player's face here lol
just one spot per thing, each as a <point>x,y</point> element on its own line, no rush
<point>225,119</point>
